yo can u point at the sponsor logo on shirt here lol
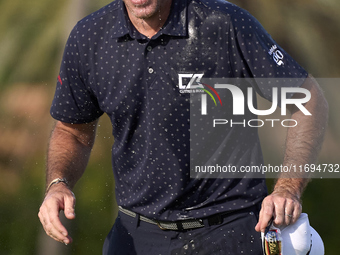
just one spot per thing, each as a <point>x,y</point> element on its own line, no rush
<point>60,80</point>
<point>277,55</point>
<point>191,83</point>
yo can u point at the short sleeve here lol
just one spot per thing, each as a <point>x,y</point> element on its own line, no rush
<point>74,101</point>
<point>256,55</point>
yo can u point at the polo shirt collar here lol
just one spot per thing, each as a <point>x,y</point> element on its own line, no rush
<point>176,24</point>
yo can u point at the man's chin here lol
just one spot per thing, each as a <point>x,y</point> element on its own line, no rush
<point>141,9</point>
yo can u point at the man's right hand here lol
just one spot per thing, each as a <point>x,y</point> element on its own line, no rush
<point>59,197</point>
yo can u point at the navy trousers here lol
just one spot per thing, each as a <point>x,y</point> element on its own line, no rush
<point>234,236</point>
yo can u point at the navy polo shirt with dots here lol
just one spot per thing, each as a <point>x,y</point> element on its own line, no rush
<point>109,67</point>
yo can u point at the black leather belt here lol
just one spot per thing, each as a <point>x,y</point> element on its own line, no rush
<point>178,225</point>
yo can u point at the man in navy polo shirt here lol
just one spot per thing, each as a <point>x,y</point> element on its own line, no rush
<point>125,60</point>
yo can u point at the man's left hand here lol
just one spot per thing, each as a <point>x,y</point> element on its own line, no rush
<point>281,206</point>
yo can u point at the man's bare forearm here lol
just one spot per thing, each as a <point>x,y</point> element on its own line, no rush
<point>69,151</point>
<point>303,144</point>
<point>304,141</point>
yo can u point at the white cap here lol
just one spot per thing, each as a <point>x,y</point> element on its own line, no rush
<point>301,239</point>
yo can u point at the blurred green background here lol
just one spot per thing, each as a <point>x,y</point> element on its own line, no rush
<point>33,34</point>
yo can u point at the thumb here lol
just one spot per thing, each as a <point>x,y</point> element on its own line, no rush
<point>257,227</point>
<point>70,202</point>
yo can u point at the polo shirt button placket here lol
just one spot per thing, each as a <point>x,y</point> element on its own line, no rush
<point>150,69</point>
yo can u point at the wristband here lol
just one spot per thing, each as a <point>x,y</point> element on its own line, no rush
<point>56,181</point>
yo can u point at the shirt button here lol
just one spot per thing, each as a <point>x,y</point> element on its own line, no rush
<point>150,70</point>
<point>149,48</point>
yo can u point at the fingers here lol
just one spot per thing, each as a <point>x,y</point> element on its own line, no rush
<point>283,209</point>
<point>69,207</point>
<point>53,227</point>
<point>289,214</point>
<point>49,215</point>
<point>280,208</point>
<point>293,211</point>
<point>287,210</point>
<point>266,214</point>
